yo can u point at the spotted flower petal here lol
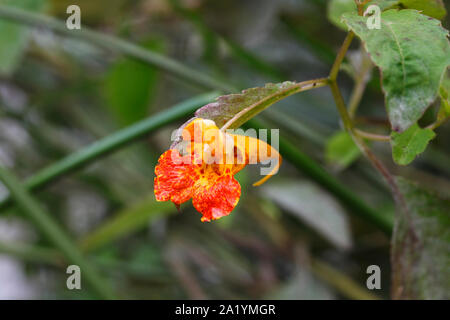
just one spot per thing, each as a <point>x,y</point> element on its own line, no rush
<point>215,198</point>
<point>175,177</point>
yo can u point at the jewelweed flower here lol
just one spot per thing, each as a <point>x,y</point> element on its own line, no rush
<point>202,166</point>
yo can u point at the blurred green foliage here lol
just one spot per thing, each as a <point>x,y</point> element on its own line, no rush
<point>14,37</point>
<point>131,85</point>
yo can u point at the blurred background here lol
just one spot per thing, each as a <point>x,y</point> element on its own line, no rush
<point>289,239</point>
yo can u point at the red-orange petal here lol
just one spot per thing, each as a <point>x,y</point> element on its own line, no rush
<point>175,178</point>
<point>217,197</point>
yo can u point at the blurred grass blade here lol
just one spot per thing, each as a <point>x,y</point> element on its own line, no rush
<point>423,55</point>
<point>53,232</point>
<point>127,221</point>
<point>14,37</point>
<point>115,44</point>
<point>114,141</point>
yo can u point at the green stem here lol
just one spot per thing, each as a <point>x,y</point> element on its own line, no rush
<point>53,232</point>
<point>308,166</point>
<point>115,44</point>
<point>340,56</point>
<point>376,163</point>
<point>371,136</point>
<point>113,142</point>
<point>239,52</point>
<point>348,124</point>
<point>340,104</point>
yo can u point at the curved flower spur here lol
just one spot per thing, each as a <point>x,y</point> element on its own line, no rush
<point>202,165</point>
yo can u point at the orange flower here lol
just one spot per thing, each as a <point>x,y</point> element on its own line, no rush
<point>204,169</point>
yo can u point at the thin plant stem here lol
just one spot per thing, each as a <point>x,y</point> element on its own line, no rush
<point>323,51</point>
<point>376,163</point>
<point>246,57</point>
<point>31,253</point>
<point>398,196</point>
<point>340,56</point>
<point>371,136</point>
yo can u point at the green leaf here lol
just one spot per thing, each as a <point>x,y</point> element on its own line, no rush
<point>412,52</point>
<point>408,145</point>
<point>14,37</point>
<point>341,151</point>
<point>130,86</point>
<point>432,8</point>
<point>420,246</point>
<point>241,107</point>
<point>127,221</point>
<point>336,8</point>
